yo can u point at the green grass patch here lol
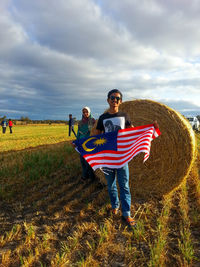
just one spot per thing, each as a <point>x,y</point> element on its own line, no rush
<point>23,169</point>
<point>34,135</point>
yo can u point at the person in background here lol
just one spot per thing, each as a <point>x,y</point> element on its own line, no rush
<point>4,124</point>
<point>71,125</point>
<point>84,127</point>
<point>10,124</point>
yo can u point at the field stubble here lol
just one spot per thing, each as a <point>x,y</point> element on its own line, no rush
<point>50,218</point>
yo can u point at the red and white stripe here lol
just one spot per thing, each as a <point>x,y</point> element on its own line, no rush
<point>130,142</point>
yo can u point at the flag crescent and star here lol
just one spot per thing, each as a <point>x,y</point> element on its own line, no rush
<point>85,147</point>
<point>93,145</point>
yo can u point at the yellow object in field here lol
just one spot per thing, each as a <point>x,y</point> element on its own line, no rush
<point>172,154</point>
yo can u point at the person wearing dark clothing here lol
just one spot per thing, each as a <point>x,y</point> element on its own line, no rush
<point>113,120</point>
<point>71,125</point>
<point>84,128</point>
<point>109,121</point>
<point>10,124</point>
<point>4,124</point>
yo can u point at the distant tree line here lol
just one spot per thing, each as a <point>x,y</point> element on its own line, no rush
<point>26,120</point>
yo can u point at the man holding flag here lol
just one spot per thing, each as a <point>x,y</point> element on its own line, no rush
<point>119,120</point>
<point>113,146</point>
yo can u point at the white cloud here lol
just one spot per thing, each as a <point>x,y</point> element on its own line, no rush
<point>70,53</point>
<point>171,26</point>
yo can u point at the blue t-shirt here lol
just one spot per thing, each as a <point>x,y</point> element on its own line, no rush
<point>4,123</point>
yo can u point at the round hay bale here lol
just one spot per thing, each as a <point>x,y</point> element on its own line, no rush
<point>172,153</point>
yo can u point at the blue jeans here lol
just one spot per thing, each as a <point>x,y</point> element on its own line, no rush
<point>123,181</point>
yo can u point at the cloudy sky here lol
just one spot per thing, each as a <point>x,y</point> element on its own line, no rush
<point>58,56</point>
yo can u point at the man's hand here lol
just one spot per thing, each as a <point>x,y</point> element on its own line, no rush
<point>155,124</point>
<point>71,143</point>
<point>96,132</point>
<point>130,126</point>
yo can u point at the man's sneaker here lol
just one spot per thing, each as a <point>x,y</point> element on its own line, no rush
<point>115,211</point>
<point>129,221</point>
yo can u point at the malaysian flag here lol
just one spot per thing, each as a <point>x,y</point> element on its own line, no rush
<point>115,149</point>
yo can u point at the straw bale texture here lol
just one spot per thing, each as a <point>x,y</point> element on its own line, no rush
<point>172,153</point>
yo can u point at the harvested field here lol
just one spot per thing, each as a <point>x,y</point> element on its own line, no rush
<point>50,218</point>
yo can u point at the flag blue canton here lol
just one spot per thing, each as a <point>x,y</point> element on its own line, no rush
<point>97,143</point>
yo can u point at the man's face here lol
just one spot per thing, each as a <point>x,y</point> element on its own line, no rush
<point>114,100</point>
